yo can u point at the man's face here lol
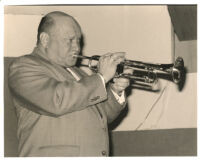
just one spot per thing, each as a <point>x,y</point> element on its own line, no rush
<point>64,42</point>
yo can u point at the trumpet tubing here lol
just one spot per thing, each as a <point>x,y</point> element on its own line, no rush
<point>145,73</point>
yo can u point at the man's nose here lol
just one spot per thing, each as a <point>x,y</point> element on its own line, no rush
<point>76,46</point>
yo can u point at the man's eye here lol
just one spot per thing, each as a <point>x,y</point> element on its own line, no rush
<point>69,40</point>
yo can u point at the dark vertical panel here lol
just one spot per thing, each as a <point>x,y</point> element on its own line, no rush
<point>10,119</point>
<point>184,20</point>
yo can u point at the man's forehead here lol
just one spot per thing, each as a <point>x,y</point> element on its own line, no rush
<point>67,24</point>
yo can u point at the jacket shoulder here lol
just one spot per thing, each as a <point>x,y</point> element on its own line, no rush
<point>25,59</point>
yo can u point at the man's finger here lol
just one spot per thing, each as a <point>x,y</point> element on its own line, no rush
<point>118,55</point>
<point>122,80</point>
<point>128,70</point>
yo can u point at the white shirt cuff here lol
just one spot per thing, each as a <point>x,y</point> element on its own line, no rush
<point>120,99</point>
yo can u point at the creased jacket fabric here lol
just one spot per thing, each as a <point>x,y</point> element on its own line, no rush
<point>58,115</point>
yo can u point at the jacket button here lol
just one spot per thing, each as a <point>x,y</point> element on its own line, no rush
<point>103,153</point>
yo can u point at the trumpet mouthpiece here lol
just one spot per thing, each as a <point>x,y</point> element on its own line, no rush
<point>75,55</point>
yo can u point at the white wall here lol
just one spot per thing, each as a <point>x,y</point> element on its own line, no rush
<point>143,32</point>
<point>171,108</point>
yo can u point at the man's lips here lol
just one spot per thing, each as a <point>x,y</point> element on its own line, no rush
<point>75,55</point>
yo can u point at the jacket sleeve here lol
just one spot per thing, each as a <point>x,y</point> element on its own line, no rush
<point>111,107</point>
<point>30,82</point>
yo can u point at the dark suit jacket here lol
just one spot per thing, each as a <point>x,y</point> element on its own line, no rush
<point>57,115</point>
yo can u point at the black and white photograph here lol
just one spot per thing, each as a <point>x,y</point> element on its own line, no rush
<point>100,80</point>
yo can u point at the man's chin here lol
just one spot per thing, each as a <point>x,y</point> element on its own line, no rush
<point>70,64</point>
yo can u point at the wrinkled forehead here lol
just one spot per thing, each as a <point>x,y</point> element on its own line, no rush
<point>67,26</point>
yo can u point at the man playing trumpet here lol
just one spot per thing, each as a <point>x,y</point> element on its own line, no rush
<point>61,110</point>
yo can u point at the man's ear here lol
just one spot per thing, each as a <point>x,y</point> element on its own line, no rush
<point>44,39</point>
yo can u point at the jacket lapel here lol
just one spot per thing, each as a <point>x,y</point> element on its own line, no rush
<point>62,74</point>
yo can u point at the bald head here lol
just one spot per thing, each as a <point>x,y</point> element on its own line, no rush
<point>53,19</point>
<point>59,38</point>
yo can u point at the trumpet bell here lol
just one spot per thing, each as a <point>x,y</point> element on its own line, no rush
<point>178,72</point>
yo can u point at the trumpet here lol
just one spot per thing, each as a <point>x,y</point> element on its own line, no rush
<point>145,75</point>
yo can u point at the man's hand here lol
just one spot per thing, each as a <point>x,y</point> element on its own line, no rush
<point>108,64</point>
<point>120,84</point>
